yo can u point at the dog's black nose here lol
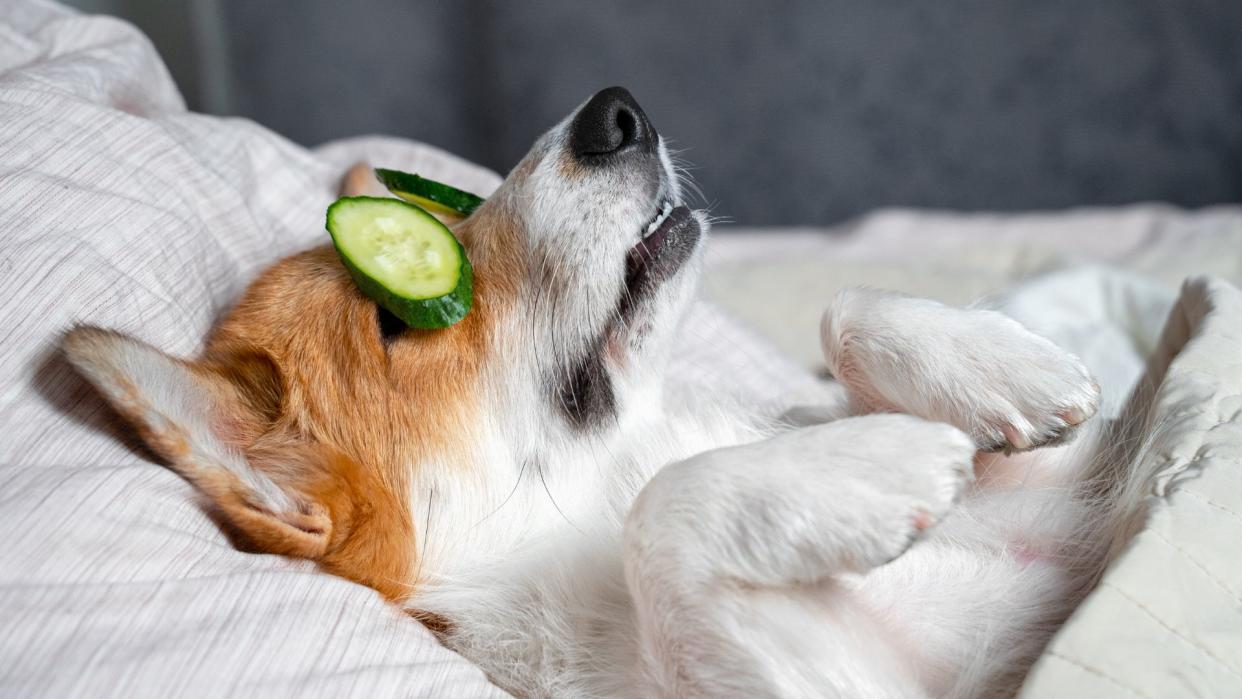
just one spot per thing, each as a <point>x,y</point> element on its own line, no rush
<point>611,122</point>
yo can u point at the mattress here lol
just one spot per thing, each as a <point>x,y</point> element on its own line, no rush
<point>120,208</point>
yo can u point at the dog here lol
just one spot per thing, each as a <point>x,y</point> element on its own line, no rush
<point>528,483</point>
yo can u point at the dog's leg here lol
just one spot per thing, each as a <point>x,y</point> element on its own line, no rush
<point>792,512</point>
<point>980,371</point>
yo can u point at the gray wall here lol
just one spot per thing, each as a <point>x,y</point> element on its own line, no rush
<point>795,112</point>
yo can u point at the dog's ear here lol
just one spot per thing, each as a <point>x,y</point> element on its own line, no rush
<point>201,418</point>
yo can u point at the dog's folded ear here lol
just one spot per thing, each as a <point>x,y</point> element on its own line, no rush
<point>201,418</point>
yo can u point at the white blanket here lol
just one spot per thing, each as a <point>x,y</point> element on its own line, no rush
<point>119,208</point>
<point>1167,619</point>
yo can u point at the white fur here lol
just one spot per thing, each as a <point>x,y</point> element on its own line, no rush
<point>751,570</point>
<point>756,560</point>
<point>921,357</point>
<point>689,546</point>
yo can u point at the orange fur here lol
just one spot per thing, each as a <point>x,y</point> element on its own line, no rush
<point>362,411</point>
<point>298,379</point>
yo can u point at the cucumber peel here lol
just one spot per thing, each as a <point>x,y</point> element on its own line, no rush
<point>404,259</point>
<point>436,197</point>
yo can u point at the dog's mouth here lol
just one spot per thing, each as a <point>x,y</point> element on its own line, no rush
<point>664,245</point>
<point>660,216</point>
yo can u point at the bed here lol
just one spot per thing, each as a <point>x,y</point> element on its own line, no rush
<point>120,208</point>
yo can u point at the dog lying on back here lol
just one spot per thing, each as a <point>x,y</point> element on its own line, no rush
<point>523,482</point>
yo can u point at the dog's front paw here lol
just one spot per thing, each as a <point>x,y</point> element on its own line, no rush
<point>804,505</point>
<point>1041,397</point>
<point>1008,388</point>
<point>909,473</point>
<point>872,485</point>
<point>981,371</point>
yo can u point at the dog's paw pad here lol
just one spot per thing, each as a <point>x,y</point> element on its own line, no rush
<point>922,519</point>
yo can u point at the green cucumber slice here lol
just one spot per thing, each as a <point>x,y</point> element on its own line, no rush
<point>429,194</point>
<point>404,259</point>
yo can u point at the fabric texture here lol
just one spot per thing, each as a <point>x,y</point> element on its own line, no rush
<point>956,258</point>
<point>121,209</point>
<point>1167,619</point>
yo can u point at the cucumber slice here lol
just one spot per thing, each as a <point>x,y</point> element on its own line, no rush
<point>429,194</point>
<point>404,259</point>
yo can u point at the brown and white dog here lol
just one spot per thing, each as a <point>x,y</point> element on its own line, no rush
<point>524,482</point>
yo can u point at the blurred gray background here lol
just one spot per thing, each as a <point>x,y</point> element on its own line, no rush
<point>794,112</point>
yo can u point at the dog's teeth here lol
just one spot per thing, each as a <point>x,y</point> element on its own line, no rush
<point>665,210</point>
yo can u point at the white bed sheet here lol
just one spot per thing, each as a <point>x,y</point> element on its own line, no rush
<point>1166,621</point>
<point>119,208</point>
<point>956,258</point>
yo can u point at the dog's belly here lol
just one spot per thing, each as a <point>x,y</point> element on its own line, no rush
<point>911,628</point>
<point>819,640</point>
<point>978,595</point>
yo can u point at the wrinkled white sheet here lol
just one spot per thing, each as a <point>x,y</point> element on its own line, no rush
<point>118,208</point>
<point>957,258</point>
<point>1166,621</point>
